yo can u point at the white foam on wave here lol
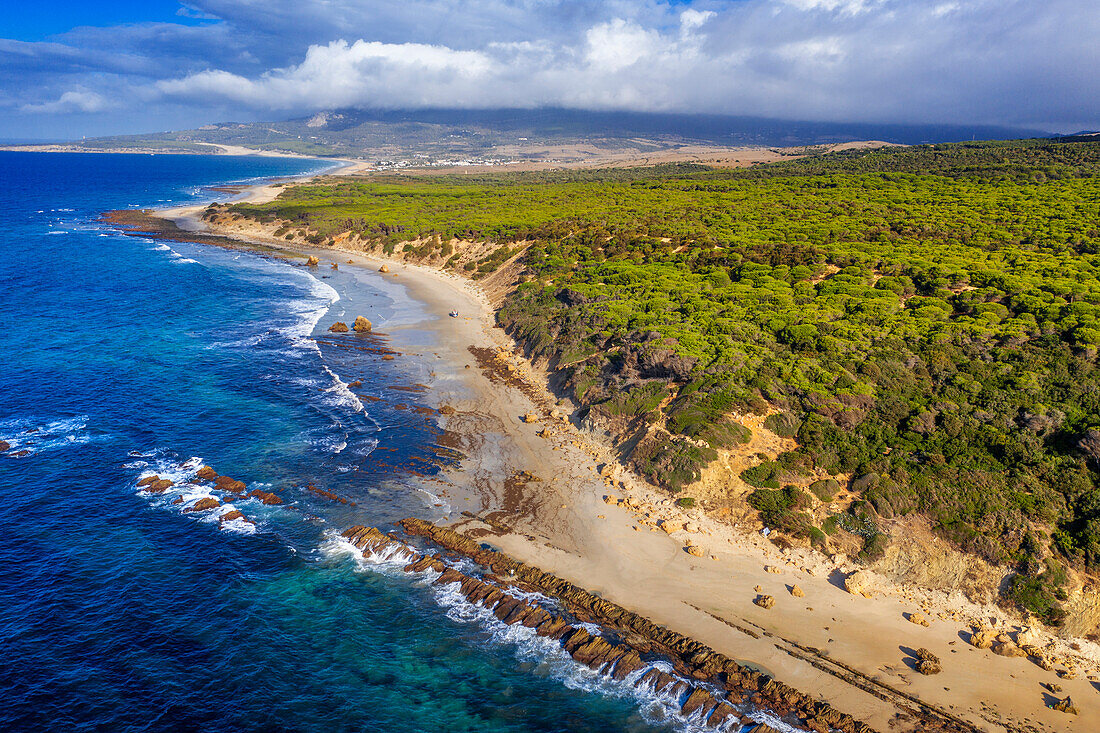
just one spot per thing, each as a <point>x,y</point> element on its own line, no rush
<point>183,476</point>
<point>552,660</point>
<point>547,655</point>
<point>36,436</point>
<point>341,394</point>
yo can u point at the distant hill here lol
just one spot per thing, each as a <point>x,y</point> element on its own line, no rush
<point>529,134</point>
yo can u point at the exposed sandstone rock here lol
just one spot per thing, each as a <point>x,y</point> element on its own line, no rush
<point>691,659</point>
<point>918,619</point>
<point>773,569</point>
<point>206,473</point>
<point>204,504</point>
<point>1007,649</point>
<point>1066,706</point>
<point>160,486</point>
<point>530,417</point>
<point>356,384</point>
<point>928,667</point>
<point>858,583</point>
<point>265,496</point>
<point>446,410</point>
<point>383,268</point>
<point>148,480</point>
<point>694,550</point>
<point>362,325</point>
<point>225,483</point>
<point>926,656</point>
<point>797,592</point>
<point>339,327</point>
<point>764,601</point>
<point>312,261</point>
<point>982,637</point>
<point>232,516</point>
<point>670,525</point>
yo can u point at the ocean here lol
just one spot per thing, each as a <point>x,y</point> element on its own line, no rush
<point>122,610</point>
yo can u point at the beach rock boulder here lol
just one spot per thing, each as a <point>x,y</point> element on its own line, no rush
<point>312,261</point>
<point>928,667</point>
<point>694,550</point>
<point>362,325</point>
<point>797,592</point>
<point>383,268</point>
<point>233,515</point>
<point>265,496</point>
<point>446,410</point>
<point>149,480</point>
<point>918,619</point>
<point>858,583</point>
<point>205,504</point>
<point>981,637</point>
<point>1066,706</point>
<point>530,417</point>
<point>159,485</point>
<point>206,473</point>
<point>1007,648</point>
<point>764,601</point>
<point>226,483</point>
<point>338,327</point>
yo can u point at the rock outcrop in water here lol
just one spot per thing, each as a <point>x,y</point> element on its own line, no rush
<point>4,446</point>
<point>338,327</point>
<point>709,687</point>
<point>362,325</point>
<point>155,484</point>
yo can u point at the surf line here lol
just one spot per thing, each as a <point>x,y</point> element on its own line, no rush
<point>708,688</point>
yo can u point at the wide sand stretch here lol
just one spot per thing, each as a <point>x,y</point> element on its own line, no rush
<point>557,515</point>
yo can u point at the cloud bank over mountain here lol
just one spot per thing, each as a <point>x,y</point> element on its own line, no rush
<point>960,61</point>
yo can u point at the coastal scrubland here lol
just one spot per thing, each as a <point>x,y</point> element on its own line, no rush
<point>923,322</point>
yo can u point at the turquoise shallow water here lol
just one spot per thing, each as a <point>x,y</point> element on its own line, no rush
<point>121,611</point>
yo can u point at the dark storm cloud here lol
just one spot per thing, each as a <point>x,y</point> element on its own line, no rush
<point>993,61</point>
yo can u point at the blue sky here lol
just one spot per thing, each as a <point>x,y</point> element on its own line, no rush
<point>69,69</point>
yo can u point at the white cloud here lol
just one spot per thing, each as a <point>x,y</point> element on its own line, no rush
<point>988,61</point>
<point>69,102</point>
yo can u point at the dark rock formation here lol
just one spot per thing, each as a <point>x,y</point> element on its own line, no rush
<point>4,446</point>
<point>225,483</point>
<point>155,484</point>
<point>693,662</point>
<point>265,496</point>
<point>204,504</point>
<point>206,473</point>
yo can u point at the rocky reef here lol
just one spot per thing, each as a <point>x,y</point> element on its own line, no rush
<point>710,688</point>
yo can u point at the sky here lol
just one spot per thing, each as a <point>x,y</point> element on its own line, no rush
<point>69,69</point>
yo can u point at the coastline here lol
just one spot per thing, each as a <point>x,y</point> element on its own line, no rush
<point>562,524</point>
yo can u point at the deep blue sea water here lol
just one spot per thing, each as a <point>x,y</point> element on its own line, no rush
<point>120,611</point>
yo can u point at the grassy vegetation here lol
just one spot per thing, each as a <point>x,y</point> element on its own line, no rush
<point>926,320</point>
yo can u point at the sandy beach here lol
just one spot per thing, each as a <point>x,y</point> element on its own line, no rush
<point>564,515</point>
